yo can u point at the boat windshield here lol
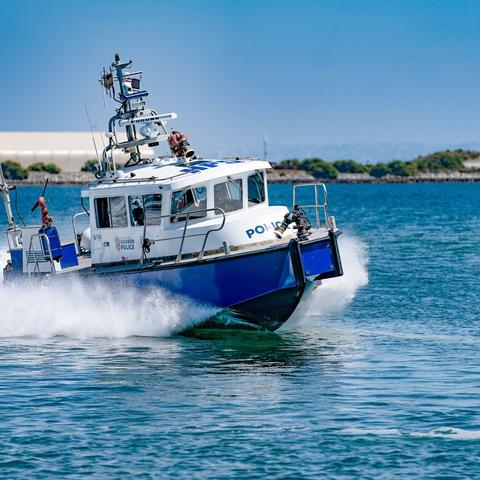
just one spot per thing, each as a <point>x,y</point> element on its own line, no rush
<point>145,209</point>
<point>256,189</point>
<point>190,200</point>
<point>228,195</point>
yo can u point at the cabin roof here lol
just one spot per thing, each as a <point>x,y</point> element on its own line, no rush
<point>173,176</point>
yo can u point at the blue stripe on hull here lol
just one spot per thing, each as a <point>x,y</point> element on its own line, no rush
<point>224,282</point>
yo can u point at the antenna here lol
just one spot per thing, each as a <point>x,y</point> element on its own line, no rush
<point>103,90</point>
<point>124,88</point>
<point>42,195</point>
<point>98,126</point>
<point>265,150</point>
<point>93,136</point>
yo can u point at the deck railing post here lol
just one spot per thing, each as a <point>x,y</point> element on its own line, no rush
<point>39,236</point>
<point>179,255</point>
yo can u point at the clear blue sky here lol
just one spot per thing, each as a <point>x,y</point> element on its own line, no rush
<point>301,72</point>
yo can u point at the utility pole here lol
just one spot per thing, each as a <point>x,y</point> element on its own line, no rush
<point>265,150</point>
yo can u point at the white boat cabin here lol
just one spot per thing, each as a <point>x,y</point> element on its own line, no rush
<point>167,210</point>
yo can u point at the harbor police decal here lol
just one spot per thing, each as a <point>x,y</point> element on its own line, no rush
<point>264,227</point>
<point>124,243</point>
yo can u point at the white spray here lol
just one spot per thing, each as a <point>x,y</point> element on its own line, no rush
<point>334,294</point>
<point>76,309</point>
<point>79,311</point>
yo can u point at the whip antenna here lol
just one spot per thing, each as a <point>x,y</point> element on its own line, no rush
<point>93,136</point>
<point>98,125</point>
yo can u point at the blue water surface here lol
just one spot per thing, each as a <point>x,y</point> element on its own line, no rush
<point>379,378</point>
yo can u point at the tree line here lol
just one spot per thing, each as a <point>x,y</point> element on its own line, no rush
<point>443,161</point>
<point>14,171</point>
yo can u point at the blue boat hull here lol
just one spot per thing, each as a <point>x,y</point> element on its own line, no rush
<point>255,289</point>
<point>258,290</point>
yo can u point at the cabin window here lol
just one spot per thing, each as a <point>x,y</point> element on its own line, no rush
<point>111,212</point>
<point>191,200</point>
<point>228,195</point>
<point>145,209</point>
<point>256,189</point>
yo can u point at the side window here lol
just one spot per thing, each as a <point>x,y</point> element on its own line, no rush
<point>111,212</point>
<point>137,210</point>
<point>228,195</point>
<point>118,211</point>
<point>191,200</point>
<point>145,209</point>
<point>153,208</point>
<point>256,189</point>
<point>103,218</point>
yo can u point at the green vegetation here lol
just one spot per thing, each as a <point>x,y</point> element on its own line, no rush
<point>349,166</point>
<point>44,167</point>
<point>319,168</point>
<point>13,170</point>
<point>444,161</point>
<point>90,166</point>
<point>402,169</point>
<point>379,170</point>
<point>290,164</point>
<point>315,166</point>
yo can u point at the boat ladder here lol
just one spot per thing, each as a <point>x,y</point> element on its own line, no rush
<point>40,258</point>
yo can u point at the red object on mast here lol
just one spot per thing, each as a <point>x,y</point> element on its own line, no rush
<point>176,141</point>
<point>46,218</point>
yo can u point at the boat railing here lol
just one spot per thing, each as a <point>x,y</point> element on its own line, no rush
<point>186,217</point>
<point>76,236</point>
<point>41,255</point>
<point>320,209</point>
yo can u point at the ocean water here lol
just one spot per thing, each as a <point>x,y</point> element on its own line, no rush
<point>377,376</point>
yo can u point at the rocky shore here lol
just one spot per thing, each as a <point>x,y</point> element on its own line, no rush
<point>299,176</point>
<point>64,178</point>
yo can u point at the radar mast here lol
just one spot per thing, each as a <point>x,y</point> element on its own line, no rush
<point>143,126</point>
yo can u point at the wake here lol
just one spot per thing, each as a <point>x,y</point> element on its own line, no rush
<point>77,309</point>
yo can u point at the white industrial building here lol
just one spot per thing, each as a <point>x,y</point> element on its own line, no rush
<point>68,150</point>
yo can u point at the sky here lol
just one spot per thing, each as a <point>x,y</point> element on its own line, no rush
<point>304,73</point>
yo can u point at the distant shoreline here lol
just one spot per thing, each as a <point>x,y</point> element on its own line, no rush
<point>76,179</point>
<point>390,179</point>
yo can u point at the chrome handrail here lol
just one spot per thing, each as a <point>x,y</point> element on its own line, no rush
<point>29,253</point>
<point>317,206</point>
<point>77,240</point>
<point>187,217</point>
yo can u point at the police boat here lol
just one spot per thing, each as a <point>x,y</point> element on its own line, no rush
<point>198,227</point>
